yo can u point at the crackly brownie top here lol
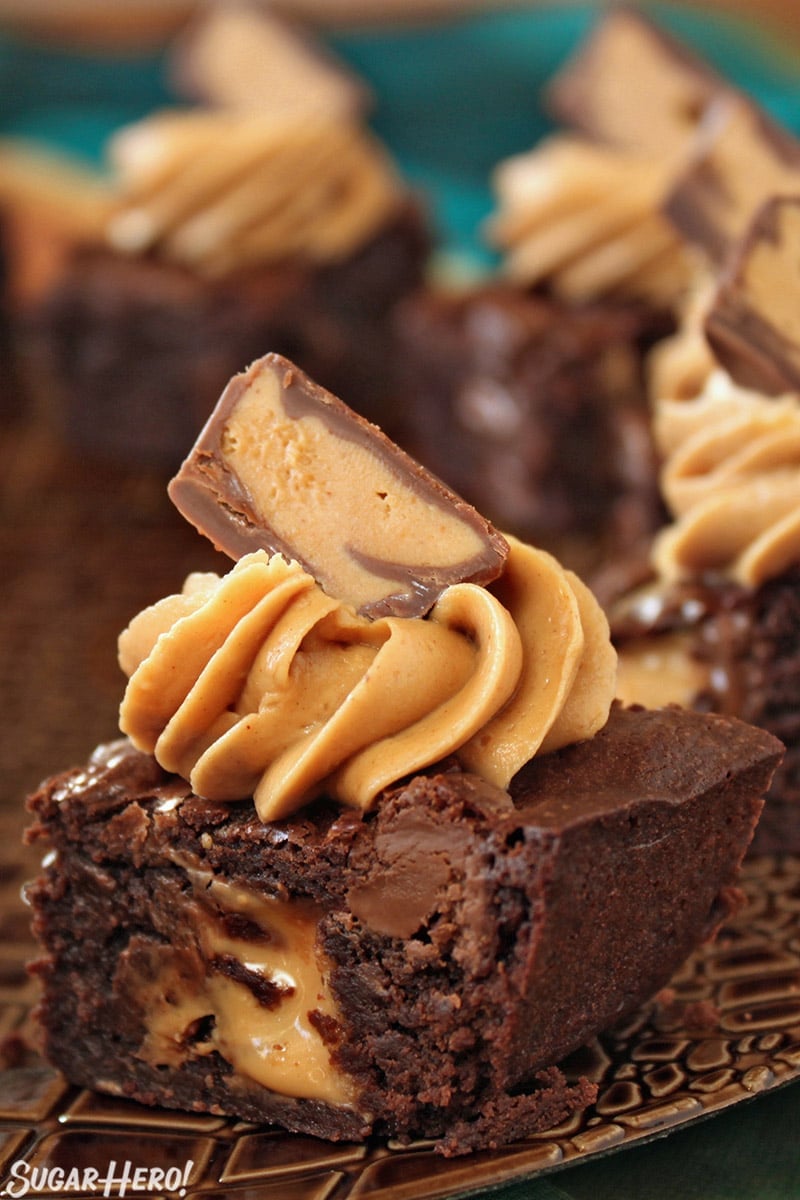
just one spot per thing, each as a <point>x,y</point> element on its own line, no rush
<point>641,756</point>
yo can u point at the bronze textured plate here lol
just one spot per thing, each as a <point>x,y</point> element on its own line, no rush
<point>726,1029</point>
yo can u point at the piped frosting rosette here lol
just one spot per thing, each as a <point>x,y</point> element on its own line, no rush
<point>731,477</point>
<point>218,190</point>
<point>585,219</point>
<point>268,161</point>
<point>679,366</point>
<point>259,684</point>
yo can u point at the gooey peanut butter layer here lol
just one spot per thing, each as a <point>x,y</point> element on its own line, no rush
<point>732,479</point>
<point>263,1009</point>
<point>586,220</point>
<point>259,684</point>
<point>284,466</point>
<point>221,190</point>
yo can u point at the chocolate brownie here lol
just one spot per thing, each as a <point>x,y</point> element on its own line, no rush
<point>535,411</point>
<point>136,351</point>
<point>746,643</point>
<point>457,942</point>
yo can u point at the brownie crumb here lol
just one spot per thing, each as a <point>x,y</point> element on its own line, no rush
<point>512,1118</point>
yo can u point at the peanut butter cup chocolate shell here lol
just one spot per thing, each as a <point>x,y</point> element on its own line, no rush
<point>440,955</point>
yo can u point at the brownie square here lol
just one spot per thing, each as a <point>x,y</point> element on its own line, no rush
<point>440,955</point>
<point>535,411</point>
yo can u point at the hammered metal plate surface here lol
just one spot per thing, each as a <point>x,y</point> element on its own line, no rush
<point>726,1029</point>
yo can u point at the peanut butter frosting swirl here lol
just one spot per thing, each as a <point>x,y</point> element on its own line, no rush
<point>259,684</point>
<point>679,366</point>
<point>732,479</point>
<point>585,219</point>
<point>218,190</point>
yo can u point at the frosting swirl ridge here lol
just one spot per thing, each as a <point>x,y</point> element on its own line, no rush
<point>259,684</point>
<point>218,190</point>
<point>585,219</point>
<point>732,479</point>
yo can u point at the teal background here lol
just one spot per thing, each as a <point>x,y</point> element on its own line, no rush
<point>453,100</point>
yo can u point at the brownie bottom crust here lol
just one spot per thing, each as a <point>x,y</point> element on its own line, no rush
<point>436,959</point>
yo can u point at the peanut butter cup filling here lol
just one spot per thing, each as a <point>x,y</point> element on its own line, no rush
<point>251,985</point>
